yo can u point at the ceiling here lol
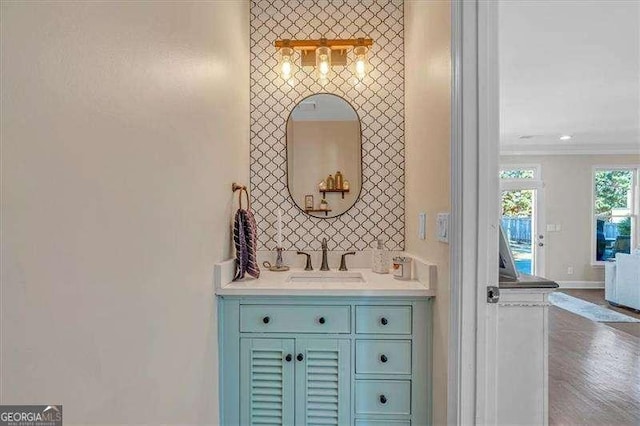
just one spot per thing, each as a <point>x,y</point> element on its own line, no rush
<point>569,68</point>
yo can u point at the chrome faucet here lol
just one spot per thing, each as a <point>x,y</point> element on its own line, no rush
<point>325,264</point>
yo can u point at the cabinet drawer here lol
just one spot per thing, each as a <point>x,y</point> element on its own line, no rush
<point>383,319</point>
<point>296,319</point>
<point>383,397</point>
<point>383,356</point>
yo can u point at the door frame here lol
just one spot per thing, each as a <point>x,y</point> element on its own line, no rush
<point>538,225</point>
<point>472,390</point>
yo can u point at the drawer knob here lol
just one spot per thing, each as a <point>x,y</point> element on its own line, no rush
<point>321,320</point>
<point>384,321</point>
<point>266,320</point>
<point>383,399</point>
<point>300,357</point>
<point>383,358</point>
<point>288,358</point>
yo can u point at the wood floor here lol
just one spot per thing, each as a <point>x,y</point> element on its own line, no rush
<point>594,368</point>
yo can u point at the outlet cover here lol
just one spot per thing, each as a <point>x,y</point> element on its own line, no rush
<point>442,227</point>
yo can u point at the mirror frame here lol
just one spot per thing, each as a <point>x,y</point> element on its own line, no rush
<point>286,152</point>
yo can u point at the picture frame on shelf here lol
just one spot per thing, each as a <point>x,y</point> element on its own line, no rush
<point>308,202</point>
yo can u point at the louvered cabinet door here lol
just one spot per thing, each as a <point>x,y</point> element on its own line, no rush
<point>267,381</point>
<point>323,376</point>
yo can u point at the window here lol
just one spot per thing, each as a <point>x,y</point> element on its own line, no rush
<point>615,211</point>
<point>519,172</point>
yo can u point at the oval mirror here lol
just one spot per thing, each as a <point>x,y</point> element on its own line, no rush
<point>324,155</point>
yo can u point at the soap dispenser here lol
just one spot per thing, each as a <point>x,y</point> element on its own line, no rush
<point>380,261</point>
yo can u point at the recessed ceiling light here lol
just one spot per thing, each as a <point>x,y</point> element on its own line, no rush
<point>565,137</point>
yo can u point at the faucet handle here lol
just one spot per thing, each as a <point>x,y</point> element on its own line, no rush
<point>308,266</point>
<point>343,262</point>
<point>324,244</point>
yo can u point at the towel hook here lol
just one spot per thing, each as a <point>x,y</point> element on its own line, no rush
<point>237,187</point>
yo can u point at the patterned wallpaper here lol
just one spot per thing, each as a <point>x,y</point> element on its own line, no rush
<point>379,101</point>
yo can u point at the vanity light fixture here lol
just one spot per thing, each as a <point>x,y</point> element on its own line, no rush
<point>286,62</point>
<point>323,64</point>
<point>324,54</point>
<point>565,137</point>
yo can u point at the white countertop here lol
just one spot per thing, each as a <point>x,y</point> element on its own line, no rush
<point>277,284</point>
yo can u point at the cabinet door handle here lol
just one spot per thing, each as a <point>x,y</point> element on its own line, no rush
<point>321,320</point>
<point>383,358</point>
<point>300,357</point>
<point>288,358</point>
<point>266,320</point>
<point>383,399</point>
<point>384,321</point>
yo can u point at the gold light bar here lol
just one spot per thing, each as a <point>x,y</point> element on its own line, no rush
<point>338,48</point>
<point>334,44</point>
<point>323,54</point>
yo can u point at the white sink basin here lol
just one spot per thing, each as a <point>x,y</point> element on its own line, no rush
<point>326,277</point>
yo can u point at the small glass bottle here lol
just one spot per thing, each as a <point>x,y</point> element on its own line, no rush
<point>380,258</point>
<point>331,183</point>
<point>345,185</point>
<point>338,180</point>
<point>322,185</point>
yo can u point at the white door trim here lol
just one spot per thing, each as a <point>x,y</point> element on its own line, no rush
<point>514,185</point>
<point>472,391</point>
<point>459,362</point>
<point>540,252</point>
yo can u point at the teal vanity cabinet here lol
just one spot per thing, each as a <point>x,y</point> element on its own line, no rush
<point>325,360</point>
<point>294,381</point>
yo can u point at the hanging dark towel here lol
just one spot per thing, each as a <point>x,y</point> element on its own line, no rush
<point>245,240</point>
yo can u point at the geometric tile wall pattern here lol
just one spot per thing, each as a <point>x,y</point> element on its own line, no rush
<point>379,101</point>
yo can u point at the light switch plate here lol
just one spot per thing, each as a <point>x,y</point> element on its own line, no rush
<point>422,225</point>
<point>442,227</point>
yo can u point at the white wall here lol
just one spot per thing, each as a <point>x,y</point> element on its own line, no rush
<point>123,126</point>
<point>568,202</point>
<point>428,185</point>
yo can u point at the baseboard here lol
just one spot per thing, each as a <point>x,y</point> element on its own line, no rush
<point>581,284</point>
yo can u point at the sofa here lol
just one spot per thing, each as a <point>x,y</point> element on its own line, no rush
<point>622,281</point>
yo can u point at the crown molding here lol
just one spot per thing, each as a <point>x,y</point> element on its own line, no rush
<point>568,150</point>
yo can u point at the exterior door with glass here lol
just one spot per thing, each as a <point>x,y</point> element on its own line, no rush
<point>521,204</point>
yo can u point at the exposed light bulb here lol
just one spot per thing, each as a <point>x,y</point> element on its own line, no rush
<point>360,68</point>
<point>323,63</point>
<point>565,137</point>
<point>286,69</point>
<point>286,64</point>
<point>361,65</point>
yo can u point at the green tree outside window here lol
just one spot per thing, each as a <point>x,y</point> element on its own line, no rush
<point>516,174</point>
<point>517,203</point>
<point>612,189</point>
